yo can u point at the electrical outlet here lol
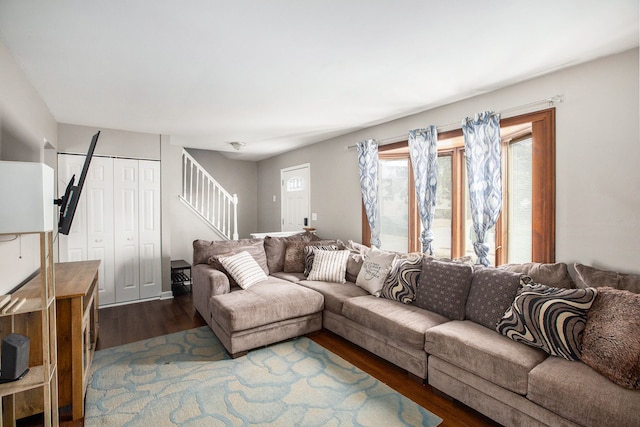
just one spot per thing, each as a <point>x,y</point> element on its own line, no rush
<point>314,216</point>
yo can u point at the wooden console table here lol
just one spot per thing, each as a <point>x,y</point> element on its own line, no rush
<point>77,326</point>
<point>77,322</point>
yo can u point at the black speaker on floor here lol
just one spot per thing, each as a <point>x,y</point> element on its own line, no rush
<point>15,357</point>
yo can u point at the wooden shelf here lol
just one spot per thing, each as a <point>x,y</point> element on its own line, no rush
<point>34,378</point>
<point>35,319</point>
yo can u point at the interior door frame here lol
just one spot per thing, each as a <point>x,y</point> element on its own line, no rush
<point>282,191</point>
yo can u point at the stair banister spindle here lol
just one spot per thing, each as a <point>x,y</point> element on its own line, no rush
<point>209,200</point>
<point>184,175</point>
<point>191,184</point>
<point>235,217</point>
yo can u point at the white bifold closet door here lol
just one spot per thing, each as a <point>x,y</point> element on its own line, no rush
<point>117,222</point>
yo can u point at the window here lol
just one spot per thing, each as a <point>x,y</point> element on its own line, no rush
<point>526,228</point>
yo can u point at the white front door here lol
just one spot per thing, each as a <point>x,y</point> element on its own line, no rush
<point>295,197</point>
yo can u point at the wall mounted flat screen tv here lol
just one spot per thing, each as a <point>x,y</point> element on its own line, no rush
<point>69,201</point>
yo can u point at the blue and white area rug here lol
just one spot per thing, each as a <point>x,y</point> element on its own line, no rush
<point>187,379</point>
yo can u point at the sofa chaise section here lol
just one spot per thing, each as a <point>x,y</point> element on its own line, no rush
<point>266,313</point>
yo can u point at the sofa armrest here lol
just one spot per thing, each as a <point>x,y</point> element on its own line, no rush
<point>206,281</point>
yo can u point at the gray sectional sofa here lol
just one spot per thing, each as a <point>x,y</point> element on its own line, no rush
<point>461,353</point>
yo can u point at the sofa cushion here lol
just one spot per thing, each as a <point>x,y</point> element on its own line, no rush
<point>484,353</point>
<point>402,282</point>
<point>551,319</point>
<point>203,250</point>
<point>491,294</point>
<point>262,304</point>
<point>334,294</point>
<point>244,269</point>
<point>376,267</point>
<point>294,254</point>
<point>291,277</point>
<point>330,266</point>
<point>550,274</point>
<point>578,393</point>
<point>590,277</point>
<point>444,287</point>
<point>611,340</point>
<point>275,248</point>
<point>405,323</point>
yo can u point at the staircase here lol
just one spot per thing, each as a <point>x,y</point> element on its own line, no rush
<point>208,199</point>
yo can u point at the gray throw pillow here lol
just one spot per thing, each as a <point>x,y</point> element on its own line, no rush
<point>275,248</point>
<point>444,288</point>
<point>611,340</point>
<point>492,292</point>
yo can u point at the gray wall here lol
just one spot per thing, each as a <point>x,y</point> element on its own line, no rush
<point>597,151</point>
<point>25,124</point>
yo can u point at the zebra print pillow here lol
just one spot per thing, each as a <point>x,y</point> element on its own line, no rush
<point>552,319</point>
<point>402,281</point>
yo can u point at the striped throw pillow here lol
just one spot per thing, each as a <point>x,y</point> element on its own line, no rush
<point>244,269</point>
<point>310,254</point>
<point>329,266</point>
<point>552,319</point>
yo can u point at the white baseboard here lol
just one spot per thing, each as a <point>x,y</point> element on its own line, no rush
<point>166,295</point>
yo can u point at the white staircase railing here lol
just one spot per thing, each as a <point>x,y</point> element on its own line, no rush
<point>208,198</point>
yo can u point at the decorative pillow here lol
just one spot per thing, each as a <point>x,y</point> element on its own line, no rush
<point>374,271</point>
<point>244,269</point>
<point>294,254</point>
<point>275,248</point>
<point>402,281</point>
<point>491,294</point>
<point>555,275</point>
<point>355,261</point>
<point>203,250</point>
<point>611,340</point>
<point>590,277</point>
<point>444,287</point>
<point>552,319</point>
<point>329,266</point>
<point>310,254</point>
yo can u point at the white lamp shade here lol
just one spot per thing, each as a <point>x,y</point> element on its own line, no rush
<point>26,197</point>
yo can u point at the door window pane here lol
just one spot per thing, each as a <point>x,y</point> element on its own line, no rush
<point>394,204</point>
<point>520,194</point>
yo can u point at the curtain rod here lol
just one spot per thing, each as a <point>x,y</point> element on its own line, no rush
<point>557,99</point>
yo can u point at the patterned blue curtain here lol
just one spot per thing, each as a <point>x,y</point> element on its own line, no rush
<point>482,152</point>
<point>368,165</point>
<point>423,149</point>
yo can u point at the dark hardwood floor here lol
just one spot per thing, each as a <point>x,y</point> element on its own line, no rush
<point>129,323</point>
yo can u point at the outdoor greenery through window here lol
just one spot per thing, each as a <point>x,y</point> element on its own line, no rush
<point>525,231</point>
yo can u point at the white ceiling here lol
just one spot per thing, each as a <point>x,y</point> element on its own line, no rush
<point>280,74</point>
